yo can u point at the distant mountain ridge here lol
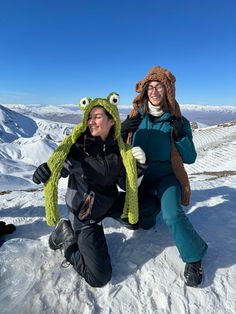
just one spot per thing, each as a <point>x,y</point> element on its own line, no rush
<point>64,113</point>
<point>14,125</point>
<point>204,115</point>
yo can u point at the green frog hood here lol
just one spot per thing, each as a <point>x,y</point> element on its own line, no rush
<point>55,162</point>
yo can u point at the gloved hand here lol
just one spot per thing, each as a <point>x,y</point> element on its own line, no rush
<point>131,124</point>
<point>42,174</point>
<point>177,127</point>
<point>64,172</point>
<point>139,154</point>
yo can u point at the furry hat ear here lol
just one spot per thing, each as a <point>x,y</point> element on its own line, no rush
<point>170,76</point>
<point>139,86</point>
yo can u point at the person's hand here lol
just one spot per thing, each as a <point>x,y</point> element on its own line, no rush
<point>177,128</point>
<point>139,154</point>
<point>131,124</point>
<point>41,174</point>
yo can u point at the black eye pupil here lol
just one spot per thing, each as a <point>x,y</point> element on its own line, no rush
<point>115,99</point>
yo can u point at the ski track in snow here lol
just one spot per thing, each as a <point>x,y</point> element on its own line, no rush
<point>147,270</point>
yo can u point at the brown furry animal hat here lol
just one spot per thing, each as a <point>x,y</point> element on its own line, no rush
<point>164,76</point>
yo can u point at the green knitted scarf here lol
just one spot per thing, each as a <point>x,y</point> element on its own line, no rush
<point>55,162</point>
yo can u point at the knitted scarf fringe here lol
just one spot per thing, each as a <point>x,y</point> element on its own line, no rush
<point>130,210</point>
<point>55,163</point>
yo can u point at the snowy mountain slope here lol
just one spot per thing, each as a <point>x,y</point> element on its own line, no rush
<point>25,142</point>
<point>14,125</point>
<point>19,159</point>
<point>147,270</point>
<point>25,149</point>
<point>216,148</point>
<point>53,130</point>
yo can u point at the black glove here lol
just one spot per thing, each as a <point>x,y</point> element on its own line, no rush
<point>64,172</point>
<point>41,174</point>
<point>177,126</point>
<point>131,124</point>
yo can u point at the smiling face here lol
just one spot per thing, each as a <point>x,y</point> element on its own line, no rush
<point>99,123</point>
<point>155,92</point>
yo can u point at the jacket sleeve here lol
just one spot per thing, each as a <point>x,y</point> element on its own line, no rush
<point>185,145</point>
<point>121,181</point>
<point>71,164</point>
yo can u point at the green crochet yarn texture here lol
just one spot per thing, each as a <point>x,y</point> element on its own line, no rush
<point>55,162</point>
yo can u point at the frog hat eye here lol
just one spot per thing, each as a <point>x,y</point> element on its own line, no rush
<point>114,98</point>
<point>84,102</point>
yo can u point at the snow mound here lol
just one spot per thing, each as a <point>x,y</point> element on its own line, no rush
<point>13,289</point>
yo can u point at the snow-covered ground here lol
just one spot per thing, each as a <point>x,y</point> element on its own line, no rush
<point>147,270</point>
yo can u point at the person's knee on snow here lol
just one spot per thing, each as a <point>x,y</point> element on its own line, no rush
<point>95,277</point>
<point>99,278</point>
<point>91,259</point>
<point>149,208</point>
<point>147,222</point>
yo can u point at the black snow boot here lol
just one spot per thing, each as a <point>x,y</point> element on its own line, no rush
<point>6,229</point>
<point>62,236</point>
<point>193,274</point>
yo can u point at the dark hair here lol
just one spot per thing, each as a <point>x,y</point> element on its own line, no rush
<point>106,112</point>
<point>112,130</point>
<point>144,99</point>
<point>109,116</point>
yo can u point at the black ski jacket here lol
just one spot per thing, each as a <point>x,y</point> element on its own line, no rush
<point>95,169</point>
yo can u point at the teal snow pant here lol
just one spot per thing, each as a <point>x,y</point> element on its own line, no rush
<point>165,195</point>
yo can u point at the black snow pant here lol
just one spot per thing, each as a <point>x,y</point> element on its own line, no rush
<point>149,207</point>
<point>89,255</point>
<point>89,252</point>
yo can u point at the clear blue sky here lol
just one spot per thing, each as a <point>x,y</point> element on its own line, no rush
<point>56,52</point>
